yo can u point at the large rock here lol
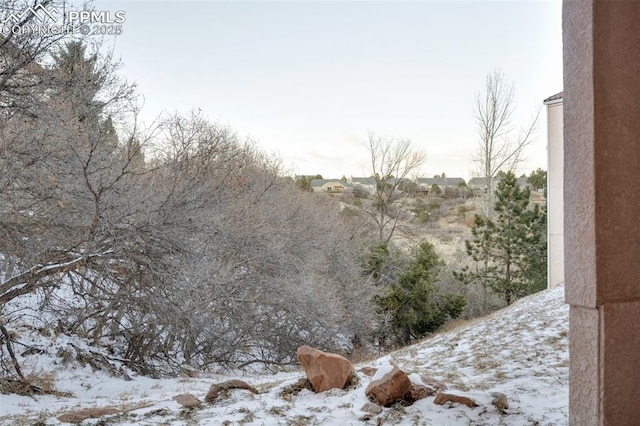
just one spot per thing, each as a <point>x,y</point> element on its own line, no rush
<point>324,370</point>
<point>388,386</point>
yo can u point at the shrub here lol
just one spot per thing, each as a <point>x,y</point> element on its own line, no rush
<point>421,212</point>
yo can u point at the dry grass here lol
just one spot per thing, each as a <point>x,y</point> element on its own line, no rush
<point>362,355</point>
<point>301,421</point>
<point>46,380</point>
<point>288,392</point>
<point>35,383</point>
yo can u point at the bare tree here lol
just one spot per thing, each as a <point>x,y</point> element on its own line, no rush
<point>204,256</point>
<point>391,161</point>
<point>197,252</point>
<point>499,147</point>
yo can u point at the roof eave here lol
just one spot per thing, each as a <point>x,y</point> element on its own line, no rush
<point>555,99</point>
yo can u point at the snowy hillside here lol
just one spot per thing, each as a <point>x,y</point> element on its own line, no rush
<point>521,352</point>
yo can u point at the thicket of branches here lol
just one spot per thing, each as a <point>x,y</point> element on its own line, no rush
<point>180,244</point>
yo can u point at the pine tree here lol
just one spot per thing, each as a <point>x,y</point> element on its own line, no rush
<point>510,252</point>
<point>538,179</point>
<point>77,80</point>
<point>536,260</point>
<point>416,305</point>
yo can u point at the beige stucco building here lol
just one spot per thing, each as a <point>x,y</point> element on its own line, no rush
<point>555,190</point>
<point>601,102</point>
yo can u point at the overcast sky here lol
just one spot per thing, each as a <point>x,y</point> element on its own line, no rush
<point>309,80</point>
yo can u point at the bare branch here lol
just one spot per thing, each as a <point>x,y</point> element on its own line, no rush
<point>392,161</point>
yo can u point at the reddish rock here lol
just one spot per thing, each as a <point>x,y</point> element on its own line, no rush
<point>368,371</point>
<point>215,389</point>
<point>390,388</point>
<point>88,413</point>
<point>187,400</point>
<point>324,370</point>
<point>417,392</point>
<point>442,398</point>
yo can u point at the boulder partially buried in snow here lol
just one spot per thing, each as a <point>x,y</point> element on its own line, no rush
<point>324,370</point>
<point>389,385</point>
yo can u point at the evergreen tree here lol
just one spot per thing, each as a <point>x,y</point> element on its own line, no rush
<point>304,182</point>
<point>479,249</point>
<point>77,80</point>
<point>536,242</point>
<point>510,252</point>
<point>511,232</point>
<point>435,190</point>
<point>538,180</point>
<point>82,84</point>
<point>416,305</point>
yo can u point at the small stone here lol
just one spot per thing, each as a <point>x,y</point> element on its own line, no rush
<point>215,389</point>
<point>88,413</point>
<point>368,371</point>
<point>187,401</point>
<point>442,398</point>
<point>500,401</point>
<point>371,408</point>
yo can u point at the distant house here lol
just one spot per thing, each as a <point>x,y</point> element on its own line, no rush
<point>298,177</point>
<point>401,182</point>
<point>479,184</point>
<point>522,182</point>
<point>366,183</point>
<point>332,186</point>
<point>441,182</point>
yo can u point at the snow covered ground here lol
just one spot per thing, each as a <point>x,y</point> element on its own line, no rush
<point>521,351</point>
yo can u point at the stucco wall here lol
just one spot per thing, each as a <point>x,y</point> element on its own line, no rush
<point>555,194</point>
<point>601,45</point>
